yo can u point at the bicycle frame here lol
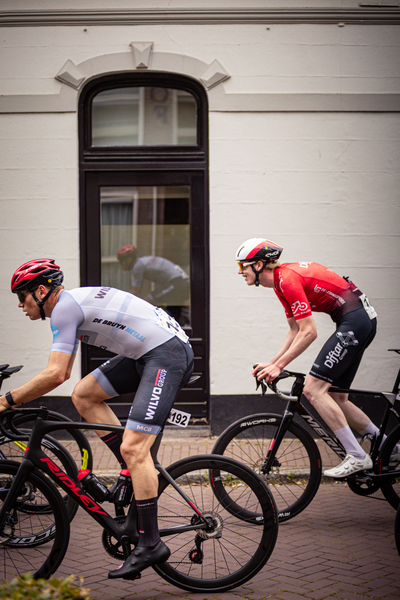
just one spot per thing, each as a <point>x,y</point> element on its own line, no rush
<point>35,458</point>
<point>295,406</point>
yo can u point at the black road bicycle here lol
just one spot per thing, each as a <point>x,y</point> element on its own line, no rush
<point>216,515</point>
<point>284,452</point>
<point>72,451</point>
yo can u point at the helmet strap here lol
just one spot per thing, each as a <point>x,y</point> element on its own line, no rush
<point>41,303</point>
<point>258,273</point>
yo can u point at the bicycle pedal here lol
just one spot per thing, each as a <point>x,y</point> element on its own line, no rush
<point>133,578</point>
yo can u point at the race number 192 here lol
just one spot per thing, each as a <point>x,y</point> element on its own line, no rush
<point>178,417</point>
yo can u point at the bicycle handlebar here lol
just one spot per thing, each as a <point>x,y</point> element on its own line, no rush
<point>297,387</point>
<point>9,430</point>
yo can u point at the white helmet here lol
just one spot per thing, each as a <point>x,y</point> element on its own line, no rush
<point>254,250</point>
<point>258,249</point>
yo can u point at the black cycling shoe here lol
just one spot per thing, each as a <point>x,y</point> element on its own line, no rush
<point>141,558</point>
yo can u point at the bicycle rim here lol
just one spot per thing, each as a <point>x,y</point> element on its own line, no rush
<point>32,541</point>
<point>58,454</point>
<point>391,486</point>
<point>296,472</point>
<point>233,549</point>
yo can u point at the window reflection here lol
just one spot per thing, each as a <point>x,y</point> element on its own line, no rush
<point>145,244</point>
<point>143,116</point>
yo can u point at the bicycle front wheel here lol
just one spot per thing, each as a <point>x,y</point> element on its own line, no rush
<point>386,464</point>
<point>295,473</point>
<point>32,539</point>
<point>231,549</point>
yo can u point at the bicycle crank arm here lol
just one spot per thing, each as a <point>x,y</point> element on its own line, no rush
<point>373,477</point>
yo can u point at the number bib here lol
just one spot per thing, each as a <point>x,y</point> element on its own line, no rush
<point>167,322</point>
<point>178,417</point>
<point>369,309</point>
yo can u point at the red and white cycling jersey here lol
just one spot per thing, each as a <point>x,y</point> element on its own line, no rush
<point>305,287</point>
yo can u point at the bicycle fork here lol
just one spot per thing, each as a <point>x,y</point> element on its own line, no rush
<point>11,495</point>
<point>271,460</point>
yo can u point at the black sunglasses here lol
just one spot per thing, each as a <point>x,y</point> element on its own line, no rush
<point>21,295</point>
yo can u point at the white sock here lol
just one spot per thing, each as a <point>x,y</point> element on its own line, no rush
<point>349,442</point>
<point>373,430</point>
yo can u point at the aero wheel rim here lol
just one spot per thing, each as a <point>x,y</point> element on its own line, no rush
<point>230,550</point>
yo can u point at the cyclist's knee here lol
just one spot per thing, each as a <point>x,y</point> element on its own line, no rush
<point>314,388</point>
<point>136,446</point>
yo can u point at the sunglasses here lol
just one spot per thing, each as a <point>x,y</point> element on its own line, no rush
<point>243,265</point>
<point>21,296</point>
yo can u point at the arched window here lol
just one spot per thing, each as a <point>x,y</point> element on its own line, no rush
<point>144,183</point>
<point>143,116</point>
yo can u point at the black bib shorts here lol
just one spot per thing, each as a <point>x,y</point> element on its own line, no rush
<point>156,379</point>
<point>341,355</point>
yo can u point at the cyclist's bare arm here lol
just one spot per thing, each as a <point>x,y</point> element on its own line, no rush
<point>57,371</point>
<point>301,334</point>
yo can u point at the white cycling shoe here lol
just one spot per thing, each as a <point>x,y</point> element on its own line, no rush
<point>348,466</point>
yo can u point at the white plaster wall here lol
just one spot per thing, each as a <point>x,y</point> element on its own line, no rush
<point>39,208</point>
<point>325,186</point>
<point>273,59</point>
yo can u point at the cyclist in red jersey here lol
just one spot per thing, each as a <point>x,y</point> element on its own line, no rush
<point>304,288</point>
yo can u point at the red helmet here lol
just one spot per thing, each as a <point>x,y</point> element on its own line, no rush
<point>42,271</point>
<point>128,251</point>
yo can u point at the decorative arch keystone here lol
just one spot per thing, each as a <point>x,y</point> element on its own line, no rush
<point>142,53</point>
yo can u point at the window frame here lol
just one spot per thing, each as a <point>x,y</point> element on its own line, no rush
<point>185,153</point>
<point>142,165</point>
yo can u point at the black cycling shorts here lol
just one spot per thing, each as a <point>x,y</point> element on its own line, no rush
<point>156,379</point>
<point>341,355</point>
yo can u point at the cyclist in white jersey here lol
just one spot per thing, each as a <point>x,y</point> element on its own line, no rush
<point>154,360</point>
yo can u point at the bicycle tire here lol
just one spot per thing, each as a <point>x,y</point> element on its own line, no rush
<point>397,530</point>
<point>32,542</point>
<point>390,487</point>
<point>296,474</point>
<point>233,550</point>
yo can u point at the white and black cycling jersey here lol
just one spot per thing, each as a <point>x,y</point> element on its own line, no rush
<point>110,319</point>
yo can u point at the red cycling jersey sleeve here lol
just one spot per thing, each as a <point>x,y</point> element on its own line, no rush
<point>308,286</point>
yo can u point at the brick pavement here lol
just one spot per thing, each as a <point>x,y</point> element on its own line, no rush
<point>342,546</point>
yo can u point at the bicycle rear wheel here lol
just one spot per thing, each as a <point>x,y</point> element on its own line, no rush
<point>232,549</point>
<point>32,540</point>
<point>391,486</point>
<point>296,472</point>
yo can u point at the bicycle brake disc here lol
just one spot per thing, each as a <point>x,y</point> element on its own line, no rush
<point>215,526</point>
